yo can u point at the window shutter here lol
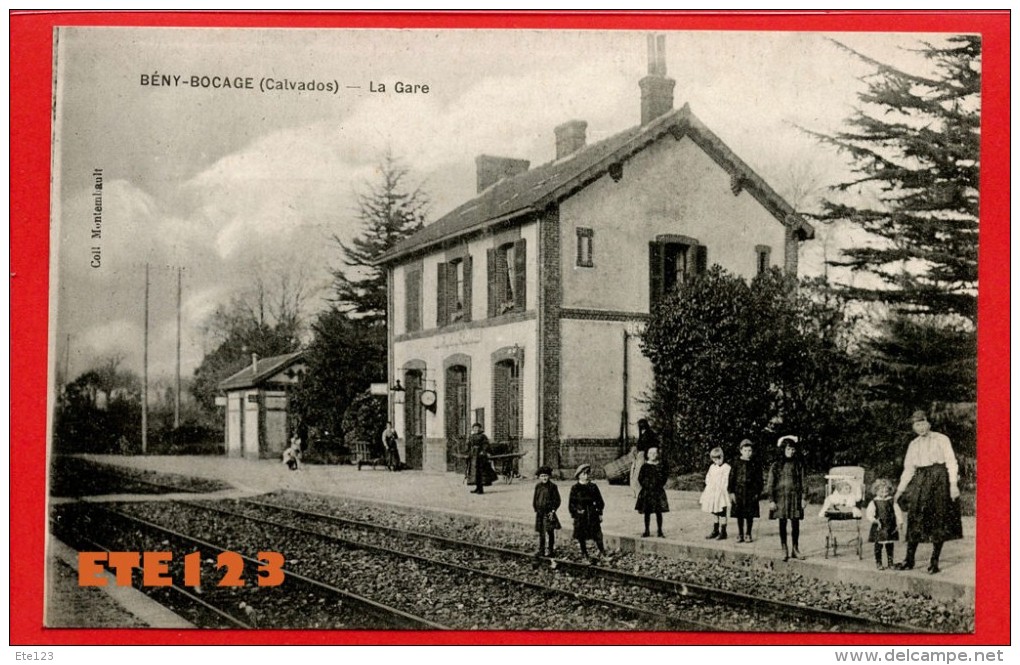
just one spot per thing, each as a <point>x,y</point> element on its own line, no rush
<point>490,256</point>
<point>520,276</point>
<point>654,273</point>
<point>442,301</point>
<point>412,295</point>
<point>467,288</point>
<point>700,259</point>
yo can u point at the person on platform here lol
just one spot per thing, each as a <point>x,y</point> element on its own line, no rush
<point>715,499</point>
<point>647,438</point>
<point>478,443</point>
<point>546,502</point>
<point>389,439</point>
<point>292,453</point>
<point>652,497</point>
<point>928,492</point>
<point>745,487</point>
<point>586,506</point>
<point>886,521</point>
<point>785,489</point>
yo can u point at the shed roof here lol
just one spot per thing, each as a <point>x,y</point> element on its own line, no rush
<point>516,197</point>
<point>267,367</point>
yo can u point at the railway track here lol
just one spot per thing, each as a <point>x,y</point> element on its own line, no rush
<point>460,596</point>
<point>303,603</point>
<point>798,616</point>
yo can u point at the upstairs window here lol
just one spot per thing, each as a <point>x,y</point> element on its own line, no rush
<point>412,300</point>
<point>453,292</point>
<point>584,248</point>
<point>673,260</point>
<point>763,255</point>
<point>507,278</point>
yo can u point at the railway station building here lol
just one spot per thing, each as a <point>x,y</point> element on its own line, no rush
<point>257,406</point>
<point>520,309</point>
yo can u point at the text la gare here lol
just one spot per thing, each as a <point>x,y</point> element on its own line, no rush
<point>400,87</point>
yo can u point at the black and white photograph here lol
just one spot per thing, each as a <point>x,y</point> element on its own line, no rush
<point>613,331</point>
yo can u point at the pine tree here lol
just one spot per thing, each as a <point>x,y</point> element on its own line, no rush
<point>914,149</point>
<point>388,212</point>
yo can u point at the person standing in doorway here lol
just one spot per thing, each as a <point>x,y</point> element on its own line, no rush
<point>479,446</point>
<point>928,493</point>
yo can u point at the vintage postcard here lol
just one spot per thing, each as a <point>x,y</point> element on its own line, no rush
<point>372,332</point>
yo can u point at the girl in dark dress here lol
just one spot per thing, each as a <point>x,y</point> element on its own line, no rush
<point>745,489</point>
<point>545,503</point>
<point>652,497</point>
<point>785,490</point>
<point>586,506</point>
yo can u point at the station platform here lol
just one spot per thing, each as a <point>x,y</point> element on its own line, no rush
<point>685,526</point>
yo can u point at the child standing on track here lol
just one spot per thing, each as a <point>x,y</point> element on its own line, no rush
<point>785,490</point>
<point>745,487</point>
<point>652,497</point>
<point>886,519</point>
<point>716,497</point>
<point>545,503</point>
<point>586,506</point>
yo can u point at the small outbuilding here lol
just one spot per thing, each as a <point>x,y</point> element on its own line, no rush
<point>257,400</point>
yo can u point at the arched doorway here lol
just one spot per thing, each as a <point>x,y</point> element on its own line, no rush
<point>414,418</point>
<point>456,416</point>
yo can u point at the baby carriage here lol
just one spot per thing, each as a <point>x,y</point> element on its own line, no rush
<point>844,496</point>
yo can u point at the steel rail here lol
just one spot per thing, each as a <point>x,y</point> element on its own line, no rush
<point>394,616</point>
<point>677,587</point>
<point>656,618</point>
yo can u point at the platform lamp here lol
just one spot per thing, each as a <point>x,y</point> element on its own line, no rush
<point>398,392</point>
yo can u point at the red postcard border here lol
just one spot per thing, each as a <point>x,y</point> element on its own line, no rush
<point>31,88</point>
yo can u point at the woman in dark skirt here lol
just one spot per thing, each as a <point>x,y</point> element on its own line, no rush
<point>652,497</point>
<point>745,488</point>
<point>928,493</point>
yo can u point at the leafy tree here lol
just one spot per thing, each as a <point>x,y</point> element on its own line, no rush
<point>345,356</point>
<point>388,212</point>
<point>914,151</point>
<point>734,360</point>
<point>100,410</point>
<point>267,319</point>
<point>914,146</point>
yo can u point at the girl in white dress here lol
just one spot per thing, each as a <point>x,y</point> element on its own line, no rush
<point>716,497</point>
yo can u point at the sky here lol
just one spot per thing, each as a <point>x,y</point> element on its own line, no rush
<point>233,184</point>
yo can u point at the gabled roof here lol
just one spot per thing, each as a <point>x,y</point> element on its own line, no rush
<point>521,195</point>
<point>267,367</point>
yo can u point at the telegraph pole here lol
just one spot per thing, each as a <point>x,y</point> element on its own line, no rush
<point>177,392</point>
<point>145,367</point>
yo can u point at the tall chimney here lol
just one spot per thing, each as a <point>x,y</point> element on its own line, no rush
<point>492,169</point>
<point>570,137</point>
<point>656,87</point>
<point>254,364</point>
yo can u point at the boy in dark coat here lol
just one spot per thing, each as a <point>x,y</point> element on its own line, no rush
<point>745,487</point>
<point>586,506</point>
<point>545,503</point>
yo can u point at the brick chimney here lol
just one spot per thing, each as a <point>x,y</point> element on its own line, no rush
<point>254,364</point>
<point>570,137</point>
<point>492,169</point>
<point>656,87</point>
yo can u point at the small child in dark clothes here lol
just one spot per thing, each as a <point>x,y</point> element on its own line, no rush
<point>545,503</point>
<point>586,506</point>
<point>886,519</point>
